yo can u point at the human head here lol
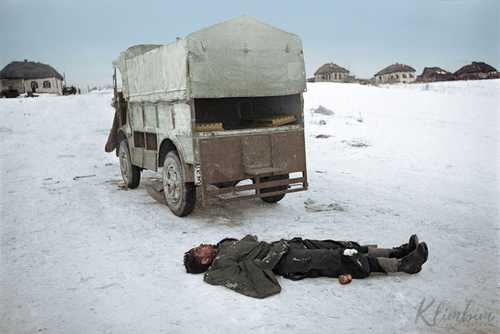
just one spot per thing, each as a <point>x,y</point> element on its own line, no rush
<point>197,260</point>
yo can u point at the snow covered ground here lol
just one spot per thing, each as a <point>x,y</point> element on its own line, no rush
<point>81,255</point>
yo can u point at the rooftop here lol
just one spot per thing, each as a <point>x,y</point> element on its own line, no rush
<point>330,68</point>
<point>476,67</point>
<point>394,68</point>
<point>28,70</point>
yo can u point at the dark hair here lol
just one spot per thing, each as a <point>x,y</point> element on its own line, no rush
<point>193,264</point>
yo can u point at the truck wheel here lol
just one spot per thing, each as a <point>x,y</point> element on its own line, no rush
<point>131,174</point>
<point>179,195</point>
<point>226,184</point>
<point>276,198</point>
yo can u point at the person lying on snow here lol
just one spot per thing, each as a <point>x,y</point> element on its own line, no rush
<point>249,266</point>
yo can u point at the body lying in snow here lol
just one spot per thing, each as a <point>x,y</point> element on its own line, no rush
<point>249,266</point>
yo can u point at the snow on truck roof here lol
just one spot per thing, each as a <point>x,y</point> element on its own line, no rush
<point>239,57</point>
<point>138,49</point>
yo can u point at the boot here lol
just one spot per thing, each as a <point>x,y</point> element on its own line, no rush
<point>413,262</point>
<point>405,249</point>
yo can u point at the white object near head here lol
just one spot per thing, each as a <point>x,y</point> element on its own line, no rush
<point>350,252</point>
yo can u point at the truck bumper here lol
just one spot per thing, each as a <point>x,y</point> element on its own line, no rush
<point>252,156</point>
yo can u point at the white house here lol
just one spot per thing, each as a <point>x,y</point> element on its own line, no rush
<point>28,76</point>
<point>396,73</point>
<point>331,72</point>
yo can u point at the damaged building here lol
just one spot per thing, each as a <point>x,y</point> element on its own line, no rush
<point>432,74</point>
<point>331,72</point>
<point>476,71</point>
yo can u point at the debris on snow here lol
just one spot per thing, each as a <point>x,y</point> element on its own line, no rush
<point>78,177</point>
<point>4,129</point>
<point>360,118</point>
<point>323,111</point>
<point>356,143</point>
<point>313,206</point>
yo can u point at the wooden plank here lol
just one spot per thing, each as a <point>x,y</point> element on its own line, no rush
<point>276,120</point>
<point>234,198</point>
<point>268,184</point>
<point>215,126</point>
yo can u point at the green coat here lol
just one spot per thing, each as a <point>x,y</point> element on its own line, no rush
<point>246,266</point>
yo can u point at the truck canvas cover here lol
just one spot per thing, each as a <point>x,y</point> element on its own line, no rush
<point>237,58</point>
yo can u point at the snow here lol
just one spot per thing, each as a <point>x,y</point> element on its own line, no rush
<point>82,255</point>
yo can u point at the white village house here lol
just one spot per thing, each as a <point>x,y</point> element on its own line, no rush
<point>28,76</point>
<point>396,73</point>
<point>331,72</point>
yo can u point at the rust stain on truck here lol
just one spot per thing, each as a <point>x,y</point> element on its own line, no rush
<point>219,112</point>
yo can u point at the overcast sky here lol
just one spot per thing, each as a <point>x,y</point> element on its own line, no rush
<point>81,38</point>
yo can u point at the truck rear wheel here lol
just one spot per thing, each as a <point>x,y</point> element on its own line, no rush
<point>131,174</point>
<point>179,195</point>
<point>226,184</point>
<point>275,198</point>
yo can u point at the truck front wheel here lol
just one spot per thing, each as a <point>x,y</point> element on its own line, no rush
<point>131,174</point>
<point>179,195</point>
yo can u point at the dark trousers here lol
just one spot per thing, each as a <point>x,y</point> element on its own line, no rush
<point>315,258</point>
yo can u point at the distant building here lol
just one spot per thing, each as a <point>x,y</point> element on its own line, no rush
<point>331,72</point>
<point>431,74</point>
<point>396,73</point>
<point>476,71</point>
<point>364,81</point>
<point>28,76</point>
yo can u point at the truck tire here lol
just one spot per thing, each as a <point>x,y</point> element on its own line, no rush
<point>180,196</point>
<point>276,198</point>
<point>226,184</point>
<point>131,174</point>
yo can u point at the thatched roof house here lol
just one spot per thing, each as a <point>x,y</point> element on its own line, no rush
<point>26,76</point>
<point>331,72</point>
<point>431,74</point>
<point>28,70</point>
<point>476,70</point>
<point>395,68</point>
<point>395,73</point>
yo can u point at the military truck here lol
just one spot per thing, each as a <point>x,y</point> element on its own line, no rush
<point>219,112</point>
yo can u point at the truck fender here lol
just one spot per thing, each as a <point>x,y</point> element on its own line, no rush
<point>168,145</point>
